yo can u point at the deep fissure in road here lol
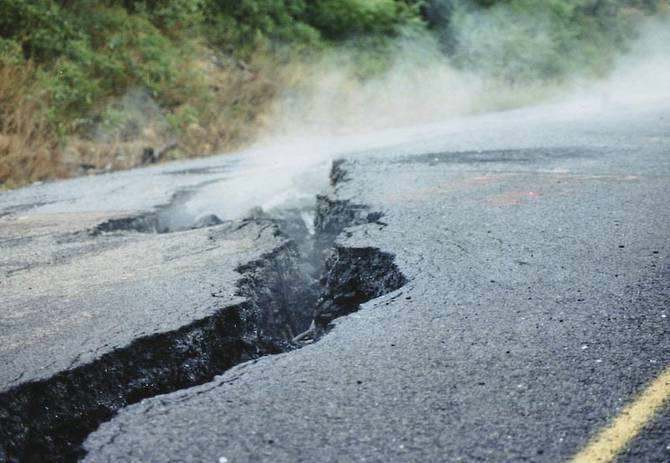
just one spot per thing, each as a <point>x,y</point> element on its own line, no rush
<point>292,293</point>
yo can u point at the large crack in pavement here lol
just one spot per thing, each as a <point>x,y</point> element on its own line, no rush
<point>298,288</point>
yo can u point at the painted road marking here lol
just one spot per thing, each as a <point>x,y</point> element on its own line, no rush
<point>609,442</point>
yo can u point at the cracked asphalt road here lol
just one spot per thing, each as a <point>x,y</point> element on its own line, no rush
<point>537,252</point>
<point>71,295</point>
<point>102,296</point>
<point>536,308</point>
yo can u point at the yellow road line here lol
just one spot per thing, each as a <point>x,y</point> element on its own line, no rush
<point>609,442</point>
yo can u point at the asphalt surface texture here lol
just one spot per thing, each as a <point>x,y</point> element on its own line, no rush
<point>70,297</point>
<point>536,249</point>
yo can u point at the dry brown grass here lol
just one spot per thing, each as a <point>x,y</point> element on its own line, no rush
<point>242,96</point>
<point>230,106</point>
<point>28,147</point>
<point>233,105</point>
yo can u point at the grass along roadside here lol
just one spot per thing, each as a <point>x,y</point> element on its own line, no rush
<point>93,86</point>
<point>90,86</point>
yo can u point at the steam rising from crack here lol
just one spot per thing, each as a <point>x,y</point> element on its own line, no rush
<point>422,86</point>
<point>421,96</point>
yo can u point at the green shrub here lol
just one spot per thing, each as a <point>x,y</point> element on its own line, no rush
<point>173,17</point>
<point>338,19</point>
<point>72,92</point>
<point>244,25</point>
<point>10,52</point>
<point>41,27</point>
<point>111,52</point>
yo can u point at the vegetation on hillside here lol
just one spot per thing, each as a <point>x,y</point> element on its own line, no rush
<point>89,85</point>
<point>522,40</point>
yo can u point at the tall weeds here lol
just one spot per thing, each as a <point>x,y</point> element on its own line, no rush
<point>28,145</point>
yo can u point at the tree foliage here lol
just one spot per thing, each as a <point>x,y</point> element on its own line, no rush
<point>89,50</point>
<point>522,40</point>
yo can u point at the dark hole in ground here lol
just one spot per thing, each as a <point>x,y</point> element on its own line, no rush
<point>169,218</point>
<point>155,222</point>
